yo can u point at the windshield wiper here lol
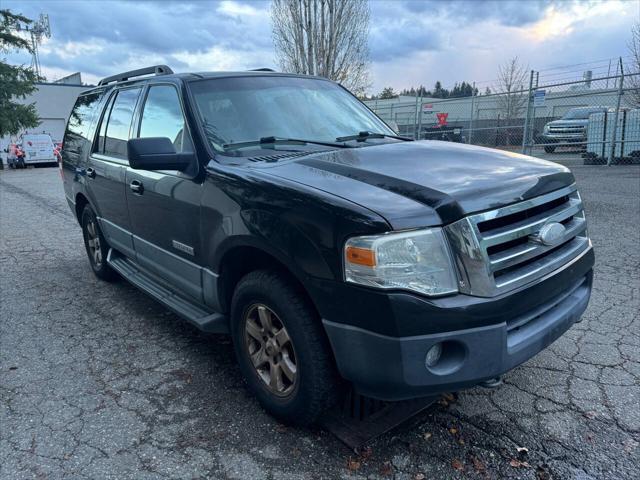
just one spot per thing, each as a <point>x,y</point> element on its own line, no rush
<point>280,141</point>
<point>362,136</point>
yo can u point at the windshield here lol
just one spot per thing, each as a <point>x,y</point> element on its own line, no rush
<point>246,109</point>
<point>581,113</point>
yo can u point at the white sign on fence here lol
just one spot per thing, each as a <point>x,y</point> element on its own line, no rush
<point>427,107</point>
<point>538,98</point>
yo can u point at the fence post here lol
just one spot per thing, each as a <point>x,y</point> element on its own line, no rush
<point>532,120</point>
<point>420,119</point>
<point>415,118</point>
<point>614,131</point>
<point>525,134</point>
<point>473,97</point>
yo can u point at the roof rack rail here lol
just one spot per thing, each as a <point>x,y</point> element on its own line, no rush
<point>120,77</point>
<point>264,69</point>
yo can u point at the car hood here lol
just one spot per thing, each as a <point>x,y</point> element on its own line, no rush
<point>423,183</point>
<point>583,122</point>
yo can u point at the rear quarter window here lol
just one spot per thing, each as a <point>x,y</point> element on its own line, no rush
<point>119,123</point>
<point>77,135</point>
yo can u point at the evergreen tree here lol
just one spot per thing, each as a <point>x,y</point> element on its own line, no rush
<point>16,81</point>
<point>387,92</point>
<point>439,92</point>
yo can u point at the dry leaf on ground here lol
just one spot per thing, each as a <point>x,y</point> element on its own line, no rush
<point>518,464</point>
<point>352,464</point>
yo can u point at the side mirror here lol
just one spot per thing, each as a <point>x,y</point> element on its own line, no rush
<point>156,153</point>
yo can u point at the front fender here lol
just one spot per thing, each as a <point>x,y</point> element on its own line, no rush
<point>280,239</point>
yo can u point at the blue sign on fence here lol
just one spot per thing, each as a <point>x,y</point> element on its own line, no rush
<point>538,98</point>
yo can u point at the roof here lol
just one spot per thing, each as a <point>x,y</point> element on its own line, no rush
<point>135,76</point>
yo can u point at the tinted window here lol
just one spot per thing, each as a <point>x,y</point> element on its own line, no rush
<point>103,125</point>
<point>78,128</point>
<point>248,108</point>
<point>582,113</point>
<point>117,134</point>
<point>162,117</point>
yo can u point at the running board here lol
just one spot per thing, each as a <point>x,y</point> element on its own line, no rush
<point>206,321</point>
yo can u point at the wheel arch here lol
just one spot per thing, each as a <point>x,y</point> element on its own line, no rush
<point>81,202</point>
<point>241,259</point>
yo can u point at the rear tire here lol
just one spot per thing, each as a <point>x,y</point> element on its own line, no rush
<point>96,245</point>
<point>282,349</point>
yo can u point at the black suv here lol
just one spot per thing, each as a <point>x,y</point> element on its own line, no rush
<point>279,209</point>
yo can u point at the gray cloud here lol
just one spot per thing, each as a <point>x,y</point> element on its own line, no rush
<point>399,39</point>
<point>148,28</point>
<point>516,13</point>
<point>124,34</point>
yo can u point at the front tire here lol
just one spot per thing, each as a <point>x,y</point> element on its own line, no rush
<point>282,349</point>
<point>96,245</point>
<point>549,149</point>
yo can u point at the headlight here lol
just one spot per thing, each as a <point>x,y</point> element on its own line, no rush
<point>545,130</point>
<point>417,260</point>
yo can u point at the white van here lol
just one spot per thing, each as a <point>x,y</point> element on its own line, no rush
<point>38,148</point>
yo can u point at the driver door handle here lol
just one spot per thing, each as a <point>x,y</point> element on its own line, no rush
<point>90,172</point>
<point>136,187</point>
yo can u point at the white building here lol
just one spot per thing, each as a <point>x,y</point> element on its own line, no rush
<point>53,102</point>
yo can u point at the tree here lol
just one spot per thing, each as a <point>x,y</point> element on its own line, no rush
<point>439,91</point>
<point>463,90</point>
<point>512,98</point>
<point>16,81</point>
<point>634,73</point>
<point>324,37</point>
<point>387,92</point>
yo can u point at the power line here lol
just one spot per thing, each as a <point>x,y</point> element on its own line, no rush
<point>558,67</point>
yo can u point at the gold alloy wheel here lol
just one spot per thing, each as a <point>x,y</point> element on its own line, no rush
<point>270,350</point>
<point>93,242</point>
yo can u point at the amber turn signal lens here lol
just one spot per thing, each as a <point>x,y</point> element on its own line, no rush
<point>361,256</point>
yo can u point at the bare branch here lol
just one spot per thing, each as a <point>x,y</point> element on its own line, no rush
<point>512,78</point>
<point>323,37</point>
<point>633,79</point>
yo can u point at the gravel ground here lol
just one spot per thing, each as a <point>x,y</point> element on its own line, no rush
<point>99,381</point>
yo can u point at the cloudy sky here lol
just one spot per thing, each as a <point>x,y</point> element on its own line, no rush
<point>411,42</point>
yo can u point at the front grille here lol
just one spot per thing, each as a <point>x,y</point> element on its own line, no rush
<point>567,130</point>
<point>498,251</point>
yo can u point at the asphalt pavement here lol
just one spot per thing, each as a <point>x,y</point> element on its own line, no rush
<point>98,381</point>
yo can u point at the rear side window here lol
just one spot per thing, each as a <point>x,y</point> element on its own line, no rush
<point>103,124</point>
<point>119,123</point>
<point>162,117</point>
<point>78,133</point>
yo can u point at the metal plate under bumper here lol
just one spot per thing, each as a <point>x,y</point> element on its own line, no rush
<point>360,420</point>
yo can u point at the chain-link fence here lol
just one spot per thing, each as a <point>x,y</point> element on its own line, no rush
<point>597,118</point>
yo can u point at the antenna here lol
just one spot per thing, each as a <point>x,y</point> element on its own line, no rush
<point>38,30</point>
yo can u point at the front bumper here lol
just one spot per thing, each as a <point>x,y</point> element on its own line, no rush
<point>393,367</point>
<point>558,138</point>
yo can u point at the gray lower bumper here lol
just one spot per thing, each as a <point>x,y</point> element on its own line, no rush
<point>393,368</point>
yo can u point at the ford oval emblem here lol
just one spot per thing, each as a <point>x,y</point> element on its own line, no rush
<point>551,234</point>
